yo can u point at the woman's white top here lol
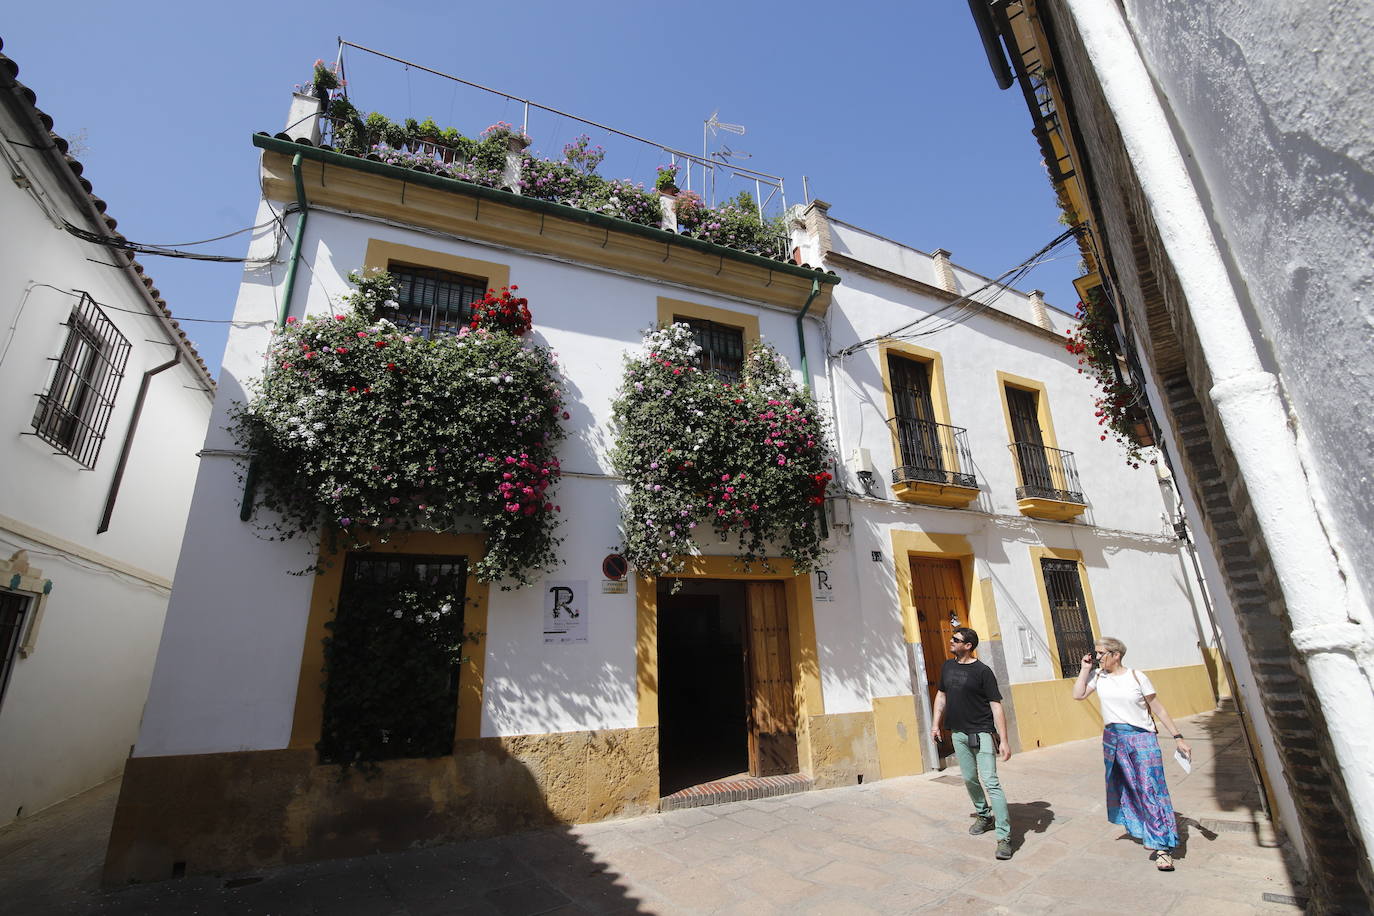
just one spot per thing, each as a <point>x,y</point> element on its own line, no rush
<point>1122,696</point>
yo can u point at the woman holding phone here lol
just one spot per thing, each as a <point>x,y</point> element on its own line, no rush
<point>1137,795</point>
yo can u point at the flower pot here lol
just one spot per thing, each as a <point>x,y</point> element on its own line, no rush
<point>1142,434</point>
<point>517,143</point>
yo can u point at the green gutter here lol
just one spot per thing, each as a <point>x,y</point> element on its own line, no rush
<point>801,335</point>
<point>454,186</point>
<point>250,478</point>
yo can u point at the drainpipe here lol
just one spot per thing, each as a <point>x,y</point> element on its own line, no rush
<point>129,441</point>
<point>251,477</point>
<point>801,335</point>
<point>1334,648</point>
<point>806,376</point>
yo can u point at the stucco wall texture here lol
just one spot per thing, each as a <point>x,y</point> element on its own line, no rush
<point>1271,99</point>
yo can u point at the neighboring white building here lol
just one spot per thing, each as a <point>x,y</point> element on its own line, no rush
<point>576,732</point>
<point>103,403</point>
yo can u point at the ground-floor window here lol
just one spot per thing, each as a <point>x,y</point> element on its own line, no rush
<point>14,613</point>
<point>392,658</point>
<point>1073,629</point>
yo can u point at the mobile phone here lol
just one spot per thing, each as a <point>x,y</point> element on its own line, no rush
<point>1095,659</point>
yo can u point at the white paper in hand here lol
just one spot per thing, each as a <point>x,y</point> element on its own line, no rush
<point>1183,762</point>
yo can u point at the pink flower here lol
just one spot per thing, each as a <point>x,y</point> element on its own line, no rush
<point>291,320</point>
<point>338,318</point>
<point>724,476</point>
<point>394,500</point>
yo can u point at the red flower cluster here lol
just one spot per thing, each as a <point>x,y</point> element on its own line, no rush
<point>502,311</point>
<point>819,481</point>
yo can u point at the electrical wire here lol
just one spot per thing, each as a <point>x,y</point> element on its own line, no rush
<point>146,314</point>
<point>966,307</point>
<point>227,235</point>
<point>161,251</point>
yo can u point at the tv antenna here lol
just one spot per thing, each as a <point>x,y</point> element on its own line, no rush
<point>712,127</point>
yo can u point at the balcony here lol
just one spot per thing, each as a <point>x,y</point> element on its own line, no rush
<point>933,456</point>
<point>1049,482</point>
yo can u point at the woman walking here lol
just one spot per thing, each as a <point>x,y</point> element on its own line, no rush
<point>1137,795</point>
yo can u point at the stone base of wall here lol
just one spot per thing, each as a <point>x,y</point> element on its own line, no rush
<point>844,749</point>
<point>218,813</point>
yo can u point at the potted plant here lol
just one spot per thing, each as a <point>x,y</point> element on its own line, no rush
<point>666,182</point>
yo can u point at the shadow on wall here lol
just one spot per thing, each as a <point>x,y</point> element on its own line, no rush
<point>199,818</point>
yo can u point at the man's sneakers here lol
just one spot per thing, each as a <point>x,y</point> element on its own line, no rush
<point>982,823</point>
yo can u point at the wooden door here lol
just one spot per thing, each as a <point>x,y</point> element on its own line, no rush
<point>772,698</point>
<point>937,592</point>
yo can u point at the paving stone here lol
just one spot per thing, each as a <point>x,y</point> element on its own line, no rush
<point>844,874</point>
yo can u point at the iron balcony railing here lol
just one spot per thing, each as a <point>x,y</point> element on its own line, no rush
<point>932,453</point>
<point>1046,473</point>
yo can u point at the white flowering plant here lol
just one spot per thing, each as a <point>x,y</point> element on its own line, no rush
<point>749,460</point>
<point>361,429</point>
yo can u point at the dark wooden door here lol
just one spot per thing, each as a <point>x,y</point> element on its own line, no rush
<point>772,695</point>
<point>937,592</point>
<point>917,431</point>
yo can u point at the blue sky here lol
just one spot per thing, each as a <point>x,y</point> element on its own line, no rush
<point>889,109</point>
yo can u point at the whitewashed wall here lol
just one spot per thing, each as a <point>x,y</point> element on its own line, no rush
<point>230,658</point>
<point>1271,100</point>
<point>72,707</point>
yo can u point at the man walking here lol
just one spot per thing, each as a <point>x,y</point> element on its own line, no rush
<point>969,701</point>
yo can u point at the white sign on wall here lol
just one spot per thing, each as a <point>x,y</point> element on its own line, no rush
<point>565,612</point>
<point>822,590</point>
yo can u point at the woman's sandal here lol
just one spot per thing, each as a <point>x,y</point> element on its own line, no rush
<point>1164,861</point>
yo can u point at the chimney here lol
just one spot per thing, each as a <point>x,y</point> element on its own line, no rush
<point>303,120</point>
<point>815,223</point>
<point>1038,313</point>
<point>944,271</point>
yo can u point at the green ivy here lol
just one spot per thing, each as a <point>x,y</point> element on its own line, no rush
<point>748,460</point>
<point>363,428</point>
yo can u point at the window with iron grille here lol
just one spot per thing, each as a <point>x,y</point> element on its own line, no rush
<point>434,301</point>
<point>14,611</point>
<point>393,657</point>
<point>74,412</point>
<point>1073,629</point>
<point>722,347</point>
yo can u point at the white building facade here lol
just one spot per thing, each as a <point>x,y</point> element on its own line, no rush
<point>580,730</point>
<point>103,403</point>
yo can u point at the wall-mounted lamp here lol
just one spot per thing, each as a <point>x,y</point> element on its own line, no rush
<point>865,481</point>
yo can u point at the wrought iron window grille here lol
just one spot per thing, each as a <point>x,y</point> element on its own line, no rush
<point>434,301</point>
<point>74,412</point>
<point>1073,631</point>
<point>722,348</point>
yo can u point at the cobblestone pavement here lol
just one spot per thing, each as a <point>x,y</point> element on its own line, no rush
<point>894,846</point>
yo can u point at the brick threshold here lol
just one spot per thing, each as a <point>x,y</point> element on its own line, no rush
<point>740,788</point>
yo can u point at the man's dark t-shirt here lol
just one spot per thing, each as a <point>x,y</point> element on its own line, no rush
<point>968,691</point>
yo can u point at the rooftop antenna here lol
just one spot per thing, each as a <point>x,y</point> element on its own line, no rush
<point>711,127</point>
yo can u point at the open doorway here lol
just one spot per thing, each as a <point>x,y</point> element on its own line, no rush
<point>702,717</point>
<point>727,705</point>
